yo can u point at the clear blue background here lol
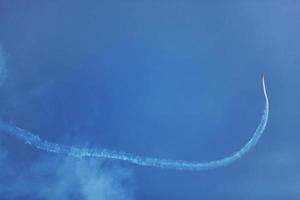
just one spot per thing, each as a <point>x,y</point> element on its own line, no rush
<point>170,79</point>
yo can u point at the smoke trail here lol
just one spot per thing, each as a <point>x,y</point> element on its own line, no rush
<point>36,141</point>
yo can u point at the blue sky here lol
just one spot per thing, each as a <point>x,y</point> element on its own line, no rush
<point>171,79</point>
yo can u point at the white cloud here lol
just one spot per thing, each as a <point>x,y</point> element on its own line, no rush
<point>66,178</point>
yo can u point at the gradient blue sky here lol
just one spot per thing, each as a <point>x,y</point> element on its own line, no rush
<point>172,79</point>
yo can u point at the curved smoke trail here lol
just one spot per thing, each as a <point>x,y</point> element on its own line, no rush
<point>36,141</point>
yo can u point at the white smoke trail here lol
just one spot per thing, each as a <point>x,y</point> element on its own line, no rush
<point>36,141</point>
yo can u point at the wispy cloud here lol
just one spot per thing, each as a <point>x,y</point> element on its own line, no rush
<point>65,178</point>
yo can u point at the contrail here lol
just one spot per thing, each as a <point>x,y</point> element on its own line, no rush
<point>34,140</point>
